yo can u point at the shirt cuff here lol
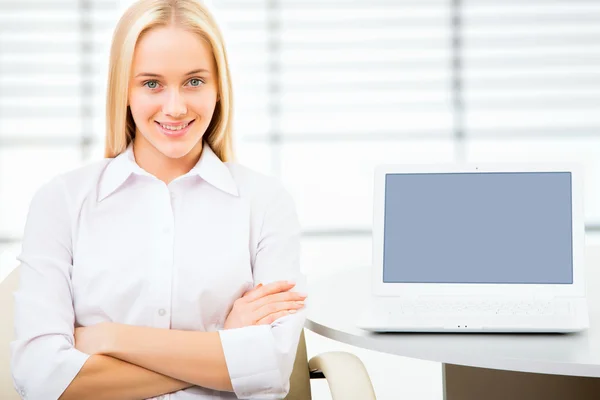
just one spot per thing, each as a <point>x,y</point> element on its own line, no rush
<point>33,381</point>
<point>252,361</point>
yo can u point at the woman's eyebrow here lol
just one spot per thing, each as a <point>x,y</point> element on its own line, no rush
<point>149,74</point>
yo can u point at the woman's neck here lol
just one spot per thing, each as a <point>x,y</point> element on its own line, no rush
<point>164,168</point>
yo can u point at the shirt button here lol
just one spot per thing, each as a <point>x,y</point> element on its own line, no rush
<point>162,312</point>
<point>22,392</point>
<point>166,230</point>
<point>173,196</point>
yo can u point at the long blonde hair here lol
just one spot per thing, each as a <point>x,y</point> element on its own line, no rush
<point>139,18</point>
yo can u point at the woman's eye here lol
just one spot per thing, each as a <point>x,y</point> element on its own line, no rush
<point>195,82</point>
<point>151,84</point>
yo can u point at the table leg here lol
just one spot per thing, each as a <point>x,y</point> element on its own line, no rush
<point>469,383</point>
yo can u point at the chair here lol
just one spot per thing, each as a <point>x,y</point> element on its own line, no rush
<point>7,287</point>
<point>345,373</point>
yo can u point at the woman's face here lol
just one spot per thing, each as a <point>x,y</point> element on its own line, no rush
<point>172,90</point>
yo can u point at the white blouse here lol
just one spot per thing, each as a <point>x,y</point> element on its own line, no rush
<point>109,242</point>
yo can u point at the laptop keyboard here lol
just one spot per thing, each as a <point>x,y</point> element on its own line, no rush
<point>555,308</point>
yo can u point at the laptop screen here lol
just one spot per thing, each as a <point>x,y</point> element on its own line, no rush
<point>484,227</point>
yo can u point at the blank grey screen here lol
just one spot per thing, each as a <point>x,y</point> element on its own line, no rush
<point>478,228</point>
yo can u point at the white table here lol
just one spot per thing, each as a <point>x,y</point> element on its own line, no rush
<point>475,366</point>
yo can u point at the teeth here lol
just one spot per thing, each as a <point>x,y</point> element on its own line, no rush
<point>174,128</point>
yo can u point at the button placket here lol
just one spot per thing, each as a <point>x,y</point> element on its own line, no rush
<point>165,266</point>
<point>164,282</point>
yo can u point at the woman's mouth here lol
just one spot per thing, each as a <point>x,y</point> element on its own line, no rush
<point>174,130</point>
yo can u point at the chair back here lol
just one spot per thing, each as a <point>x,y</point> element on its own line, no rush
<point>7,334</point>
<point>300,378</point>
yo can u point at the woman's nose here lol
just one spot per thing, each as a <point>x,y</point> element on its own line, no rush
<point>175,104</point>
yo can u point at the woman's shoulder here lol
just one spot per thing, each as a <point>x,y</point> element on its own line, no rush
<point>251,182</point>
<point>76,180</point>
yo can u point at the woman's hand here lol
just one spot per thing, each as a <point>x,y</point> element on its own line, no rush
<point>264,304</point>
<point>95,339</point>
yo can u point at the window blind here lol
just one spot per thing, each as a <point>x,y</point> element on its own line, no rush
<point>325,90</point>
<point>53,63</point>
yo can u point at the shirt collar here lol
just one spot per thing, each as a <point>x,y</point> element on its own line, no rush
<point>214,171</point>
<point>117,172</point>
<point>209,167</point>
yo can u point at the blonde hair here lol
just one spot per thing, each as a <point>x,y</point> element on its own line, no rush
<point>140,17</point>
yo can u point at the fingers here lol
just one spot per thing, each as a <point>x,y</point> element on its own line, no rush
<point>272,311</point>
<point>269,288</point>
<point>273,299</point>
<point>278,298</point>
<point>251,290</point>
<point>273,308</point>
<point>269,319</point>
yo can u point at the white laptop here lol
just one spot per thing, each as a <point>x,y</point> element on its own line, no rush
<point>477,248</point>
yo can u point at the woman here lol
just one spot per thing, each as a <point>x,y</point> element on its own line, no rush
<point>138,271</point>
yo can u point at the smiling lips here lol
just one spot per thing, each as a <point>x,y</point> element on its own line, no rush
<point>174,125</point>
<point>175,129</point>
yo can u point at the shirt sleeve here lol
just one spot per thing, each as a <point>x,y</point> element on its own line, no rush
<point>43,358</point>
<point>260,358</point>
